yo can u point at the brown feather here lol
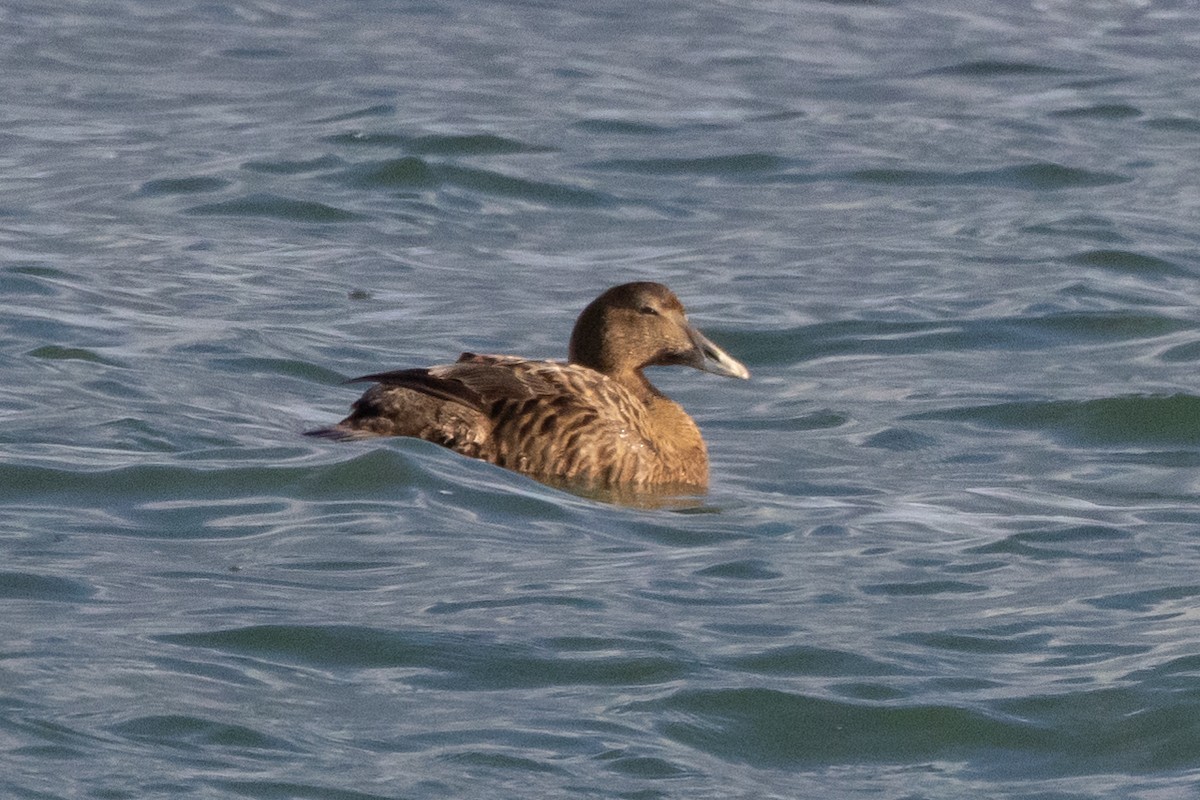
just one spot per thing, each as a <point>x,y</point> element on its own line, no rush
<point>594,422</point>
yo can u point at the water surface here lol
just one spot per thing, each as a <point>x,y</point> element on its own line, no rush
<point>951,545</point>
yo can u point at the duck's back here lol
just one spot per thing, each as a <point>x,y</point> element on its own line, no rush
<point>554,421</point>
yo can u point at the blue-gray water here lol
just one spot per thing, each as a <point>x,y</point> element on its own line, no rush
<point>952,547</point>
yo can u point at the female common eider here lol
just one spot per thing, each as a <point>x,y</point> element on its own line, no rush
<point>593,422</point>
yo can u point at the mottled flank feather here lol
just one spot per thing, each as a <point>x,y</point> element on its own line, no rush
<point>592,422</point>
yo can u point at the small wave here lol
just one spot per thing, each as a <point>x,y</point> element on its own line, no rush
<point>1075,541</point>
<point>276,207</point>
<point>923,588</point>
<point>477,144</point>
<point>751,569</point>
<point>1149,600</point>
<point>413,173</point>
<point>293,167</point>
<point>459,661</point>
<point>777,729</point>
<point>620,127</point>
<point>726,165</point>
<point>997,69</point>
<point>1085,227</point>
<point>1130,262</point>
<point>377,110</point>
<point>256,53</point>
<point>408,172</point>
<point>795,660</point>
<point>1175,124</point>
<point>900,440</point>
<point>1106,111</point>
<point>1072,733</point>
<point>1149,420</point>
<point>189,185</point>
<point>550,194</point>
<point>31,586</point>
<point>55,352</point>
<point>876,337</point>
<point>197,733</point>
<point>1039,176</point>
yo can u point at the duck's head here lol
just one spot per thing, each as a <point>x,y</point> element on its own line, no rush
<point>643,324</point>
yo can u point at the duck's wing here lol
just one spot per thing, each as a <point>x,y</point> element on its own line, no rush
<point>476,381</point>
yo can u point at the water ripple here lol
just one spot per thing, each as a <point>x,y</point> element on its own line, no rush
<point>276,207</point>
<point>446,660</point>
<point>1037,177</point>
<point>1131,420</point>
<point>1042,735</point>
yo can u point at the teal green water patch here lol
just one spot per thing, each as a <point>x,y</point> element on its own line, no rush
<point>923,588</point>
<point>500,761</point>
<point>480,144</point>
<point>178,502</point>
<point>900,440</point>
<point>477,144</point>
<point>190,185</point>
<point>1037,177</point>
<point>1083,227</point>
<point>1159,599</point>
<point>1150,728</point>
<point>750,569</point>
<point>196,733</point>
<point>980,644</point>
<point>795,660</point>
<point>776,729</point>
<point>1075,655</point>
<point>408,172</point>
<point>986,68</point>
<point>1131,420</point>
<point>377,110</point>
<point>1175,124</point>
<point>1088,542</point>
<point>276,207</point>
<point>1111,730</point>
<point>545,193</point>
<point>726,165</point>
<point>1130,262</point>
<point>53,352</point>
<point>255,53</point>
<point>619,127</point>
<point>280,790</point>
<point>458,661</point>
<point>31,279</point>
<point>1182,352</point>
<point>32,586</point>
<point>1033,332</point>
<point>646,767</point>
<point>565,601</point>
<point>294,167</point>
<point>1102,111</point>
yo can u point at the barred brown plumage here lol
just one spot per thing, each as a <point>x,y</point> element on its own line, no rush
<point>592,422</point>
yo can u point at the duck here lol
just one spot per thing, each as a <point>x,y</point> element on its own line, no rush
<point>592,422</point>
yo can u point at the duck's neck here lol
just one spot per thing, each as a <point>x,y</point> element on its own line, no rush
<point>636,382</point>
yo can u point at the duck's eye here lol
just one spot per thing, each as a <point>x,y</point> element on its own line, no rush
<point>648,310</point>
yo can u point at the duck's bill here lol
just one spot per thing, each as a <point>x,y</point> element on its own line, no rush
<point>710,358</point>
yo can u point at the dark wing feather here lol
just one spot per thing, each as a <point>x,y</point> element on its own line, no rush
<point>473,381</point>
